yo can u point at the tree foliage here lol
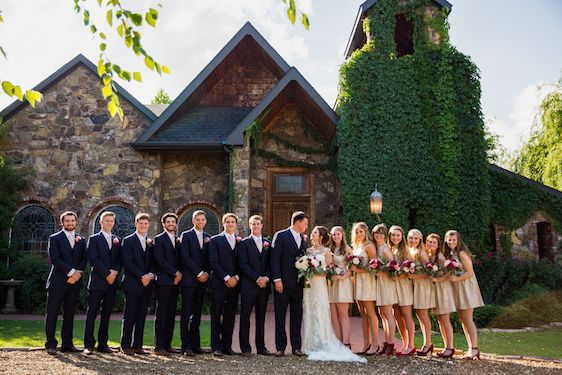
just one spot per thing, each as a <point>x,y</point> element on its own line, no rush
<point>540,158</point>
<point>414,126</point>
<point>161,97</point>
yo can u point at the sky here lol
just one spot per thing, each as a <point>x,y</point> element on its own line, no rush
<point>515,43</point>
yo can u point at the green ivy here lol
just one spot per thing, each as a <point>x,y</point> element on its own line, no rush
<point>413,125</point>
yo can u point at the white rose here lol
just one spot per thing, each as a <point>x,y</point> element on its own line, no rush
<point>435,268</point>
<point>447,262</point>
<point>315,263</point>
<point>356,261</point>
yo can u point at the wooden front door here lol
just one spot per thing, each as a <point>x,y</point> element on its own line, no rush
<point>288,190</point>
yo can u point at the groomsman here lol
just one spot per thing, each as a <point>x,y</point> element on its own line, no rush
<point>67,254</point>
<point>168,277</point>
<point>253,258</point>
<point>223,259</point>
<point>194,253</point>
<point>137,262</point>
<point>287,245</point>
<point>105,258</point>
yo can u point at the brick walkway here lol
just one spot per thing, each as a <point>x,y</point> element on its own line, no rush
<point>356,333</point>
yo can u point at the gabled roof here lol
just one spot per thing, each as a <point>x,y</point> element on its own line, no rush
<point>293,75</point>
<point>65,70</point>
<point>525,180</point>
<point>246,31</point>
<point>357,34</point>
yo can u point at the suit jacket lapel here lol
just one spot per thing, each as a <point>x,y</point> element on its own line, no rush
<point>102,239</point>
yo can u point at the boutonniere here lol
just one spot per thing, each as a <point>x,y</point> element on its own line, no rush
<point>115,240</point>
<point>206,240</point>
<point>78,238</point>
<point>238,238</point>
<point>178,239</point>
<point>305,237</point>
<point>149,242</point>
<point>265,245</point>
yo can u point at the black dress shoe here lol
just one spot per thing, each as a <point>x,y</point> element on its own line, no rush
<point>106,349</point>
<point>173,350</point>
<point>230,352</point>
<point>52,351</point>
<point>265,352</point>
<point>217,353</point>
<point>88,351</point>
<point>162,352</point>
<point>298,353</point>
<point>202,351</point>
<point>70,349</point>
<point>188,353</point>
<point>279,353</point>
<point>141,351</point>
<point>128,351</point>
<point>246,354</point>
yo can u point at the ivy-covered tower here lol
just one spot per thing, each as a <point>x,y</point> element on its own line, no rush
<point>411,122</point>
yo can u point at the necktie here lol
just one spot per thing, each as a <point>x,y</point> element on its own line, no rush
<point>143,243</point>
<point>200,238</point>
<point>71,240</point>
<point>231,241</point>
<point>259,243</point>
<point>108,239</point>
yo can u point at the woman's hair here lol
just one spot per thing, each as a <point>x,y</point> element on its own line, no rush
<point>323,232</point>
<point>362,225</point>
<point>461,246</point>
<point>438,250</point>
<point>343,244</point>
<point>400,249</point>
<point>417,233</point>
<point>379,228</point>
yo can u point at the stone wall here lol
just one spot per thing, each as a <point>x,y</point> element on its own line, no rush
<point>80,158</point>
<point>289,125</point>
<point>190,177</point>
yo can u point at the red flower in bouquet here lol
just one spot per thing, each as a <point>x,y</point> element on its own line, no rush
<point>408,266</point>
<point>393,267</point>
<point>353,260</point>
<point>452,266</point>
<point>375,265</point>
<point>431,269</point>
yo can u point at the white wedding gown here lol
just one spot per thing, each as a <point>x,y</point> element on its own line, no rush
<point>320,341</point>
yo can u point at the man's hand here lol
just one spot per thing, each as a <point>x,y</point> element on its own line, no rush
<point>146,279</point>
<point>231,282</point>
<point>279,286</point>
<point>71,280</point>
<point>203,278</point>
<point>111,277</point>
<point>177,277</point>
<point>262,281</point>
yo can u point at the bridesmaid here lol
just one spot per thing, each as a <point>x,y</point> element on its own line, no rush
<point>444,296</point>
<point>340,290</point>
<point>424,292</point>
<point>405,291</point>
<point>466,290</point>
<point>386,291</point>
<point>365,288</point>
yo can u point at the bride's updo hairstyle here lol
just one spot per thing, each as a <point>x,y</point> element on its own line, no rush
<point>323,233</point>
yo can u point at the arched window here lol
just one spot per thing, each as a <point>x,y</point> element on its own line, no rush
<point>124,220</point>
<point>213,221</point>
<point>31,228</point>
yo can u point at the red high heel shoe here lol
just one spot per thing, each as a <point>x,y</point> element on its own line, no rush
<point>472,355</point>
<point>403,354</point>
<point>447,353</point>
<point>382,350</point>
<point>425,351</point>
<point>389,349</point>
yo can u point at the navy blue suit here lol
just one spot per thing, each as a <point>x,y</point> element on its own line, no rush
<point>283,256</point>
<point>103,258</point>
<point>166,264</point>
<point>253,264</point>
<point>224,261</point>
<point>194,259</point>
<point>136,262</point>
<point>63,259</point>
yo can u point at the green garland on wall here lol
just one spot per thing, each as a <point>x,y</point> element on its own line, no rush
<point>413,126</point>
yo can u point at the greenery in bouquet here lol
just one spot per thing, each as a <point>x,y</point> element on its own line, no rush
<point>309,265</point>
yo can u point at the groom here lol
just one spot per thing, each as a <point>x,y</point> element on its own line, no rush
<point>287,245</point>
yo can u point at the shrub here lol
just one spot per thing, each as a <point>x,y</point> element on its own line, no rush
<point>33,270</point>
<point>532,311</point>
<point>484,315</point>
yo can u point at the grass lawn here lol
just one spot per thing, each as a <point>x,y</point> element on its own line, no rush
<point>31,333</point>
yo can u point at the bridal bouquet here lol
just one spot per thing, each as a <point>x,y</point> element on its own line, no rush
<point>376,265</point>
<point>309,265</point>
<point>452,266</point>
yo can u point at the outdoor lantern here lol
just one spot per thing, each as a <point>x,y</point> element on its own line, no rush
<point>376,202</point>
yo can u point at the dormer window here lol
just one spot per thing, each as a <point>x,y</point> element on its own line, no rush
<point>404,35</point>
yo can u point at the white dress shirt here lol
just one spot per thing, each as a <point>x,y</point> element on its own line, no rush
<point>107,237</point>
<point>172,237</point>
<point>296,236</point>
<point>199,237</point>
<point>71,237</point>
<point>259,242</point>
<point>142,240</point>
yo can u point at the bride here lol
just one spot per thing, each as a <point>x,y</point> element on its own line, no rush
<point>320,341</point>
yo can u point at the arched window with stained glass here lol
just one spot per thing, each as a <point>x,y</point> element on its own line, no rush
<point>213,222</point>
<point>124,220</point>
<point>31,228</point>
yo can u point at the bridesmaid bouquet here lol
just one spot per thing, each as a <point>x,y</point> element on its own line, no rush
<point>432,269</point>
<point>309,265</point>
<point>334,271</point>
<point>408,267</point>
<point>393,268</point>
<point>452,266</point>
<point>357,261</point>
<point>376,265</point>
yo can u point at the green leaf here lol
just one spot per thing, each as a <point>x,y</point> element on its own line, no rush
<point>18,93</point>
<point>3,52</point>
<point>128,41</point>
<point>109,17</point>
<point>165,69</point>
<point>86,18</point>
<point>125,75</point>
<point>305,21</point>
<point>102,35</point>
<point>8,88</point>
<point>93,29</point>
<point>291,14</point>
<point>106,91</point>
<point>102,46</point>
<point>106,80</point>
<point>33,96</point>
<point>150,20</point>
<point>149,62</point>
<point>158,69</point>
<point>120,30</point>
<point>112,108</point>
<point>136,19</point>
<point>137,76</point>
<point>101,67</point>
